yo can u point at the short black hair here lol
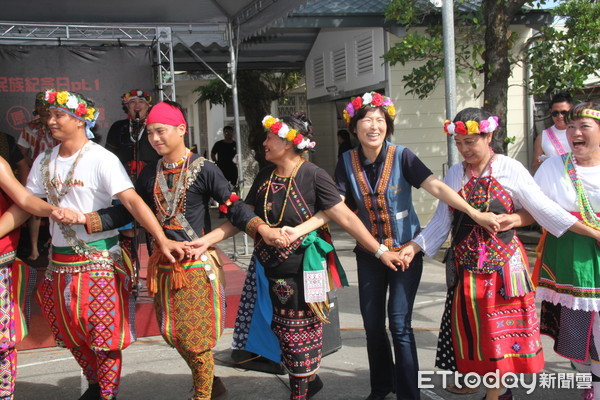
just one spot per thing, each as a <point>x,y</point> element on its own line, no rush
<point>344,134</point>
<point>562,97</point>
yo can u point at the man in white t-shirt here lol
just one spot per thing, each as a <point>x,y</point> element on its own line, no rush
<point>86,294</point>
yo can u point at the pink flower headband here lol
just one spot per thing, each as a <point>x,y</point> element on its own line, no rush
<point>471,127</point>
<point>281,129</point>
<point>372,99</point>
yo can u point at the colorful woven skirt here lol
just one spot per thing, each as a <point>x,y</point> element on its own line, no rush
<point>91,308</point>
<point>570,272</point>
<point>492,333</point>
<point>192,317</point>
<point>17,281</point>
<point>298,329</point>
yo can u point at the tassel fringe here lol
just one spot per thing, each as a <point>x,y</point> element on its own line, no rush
<point>321,310</point>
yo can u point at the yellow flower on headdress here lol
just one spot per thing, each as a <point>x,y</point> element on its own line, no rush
<point>62,97</point>
<point>291,135</point>
<point>91,111</point>
<point>268,122</point>
<point>472,127</point>
<point>391,111</point>
<point>346,116</point>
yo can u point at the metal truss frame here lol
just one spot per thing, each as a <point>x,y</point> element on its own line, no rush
<point>159,38</point>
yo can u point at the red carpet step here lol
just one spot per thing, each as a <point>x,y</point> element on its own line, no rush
<point>145,320</point>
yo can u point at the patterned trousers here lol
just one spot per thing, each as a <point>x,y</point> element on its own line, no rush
<point>88,312</point>
<point>191,320</point>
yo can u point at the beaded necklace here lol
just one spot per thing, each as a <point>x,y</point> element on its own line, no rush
<point>102,259</point>
<point>140,131</point>
<point>287,192</point>
<point>62,188</point>
<point>174,200</point>
<point>171,165</point>
<point>587,212</point>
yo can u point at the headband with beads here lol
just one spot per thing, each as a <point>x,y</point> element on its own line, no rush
<point>281,129</point>
<point>471,127</point>
<point>587,113</point>
<point>372,99</point>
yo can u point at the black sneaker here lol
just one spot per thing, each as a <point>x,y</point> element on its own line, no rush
<point>314,387</point>
<point>92,392</point>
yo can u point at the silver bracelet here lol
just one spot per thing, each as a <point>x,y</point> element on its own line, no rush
<point>382,249</point>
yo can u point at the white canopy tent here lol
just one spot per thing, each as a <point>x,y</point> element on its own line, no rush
<point>162,25</point>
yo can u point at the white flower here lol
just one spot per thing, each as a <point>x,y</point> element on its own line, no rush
<point>493,124</point>
<point>367,97</point>
<point>451,128</point>
<point>266,118</point>
<point>283,131</point>
<point>302,144</point>
<point>72,102</point>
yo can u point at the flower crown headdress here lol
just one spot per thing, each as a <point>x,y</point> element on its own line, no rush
<point>74,105</point>
<point>136,94</point>
<point>372,99</point>
<point>471,127</point>
<point>586,113</point>
<point>281,129</point>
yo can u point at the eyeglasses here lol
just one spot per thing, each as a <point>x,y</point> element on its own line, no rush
<point>557,113</point>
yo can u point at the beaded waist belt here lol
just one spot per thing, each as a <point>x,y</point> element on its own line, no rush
<point>66,259</point>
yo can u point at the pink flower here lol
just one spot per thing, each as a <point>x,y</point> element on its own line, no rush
<point>350,110</point>
<point>483,126</point>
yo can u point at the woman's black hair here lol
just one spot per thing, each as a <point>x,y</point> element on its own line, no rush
<point>299,121</point>
<point>344,134</point>
<point>360,114</point>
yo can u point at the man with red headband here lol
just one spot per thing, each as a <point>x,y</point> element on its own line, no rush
<point>189,301</point>
<point>86,294</point>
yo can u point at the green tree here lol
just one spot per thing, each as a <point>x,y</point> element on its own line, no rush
<point>483,46</point>
<point>562,59</point>
<point>256,90</point>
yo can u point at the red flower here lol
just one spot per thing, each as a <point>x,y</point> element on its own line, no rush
<point>298,139</point>
<point>81,110</point>
<point>51,97</point>
<point>276,127</point>
<point>460,128</point>
<point>357,103</point>
<point>377,100</point>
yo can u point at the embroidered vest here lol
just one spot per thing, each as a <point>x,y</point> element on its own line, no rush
<point>386,210</point>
